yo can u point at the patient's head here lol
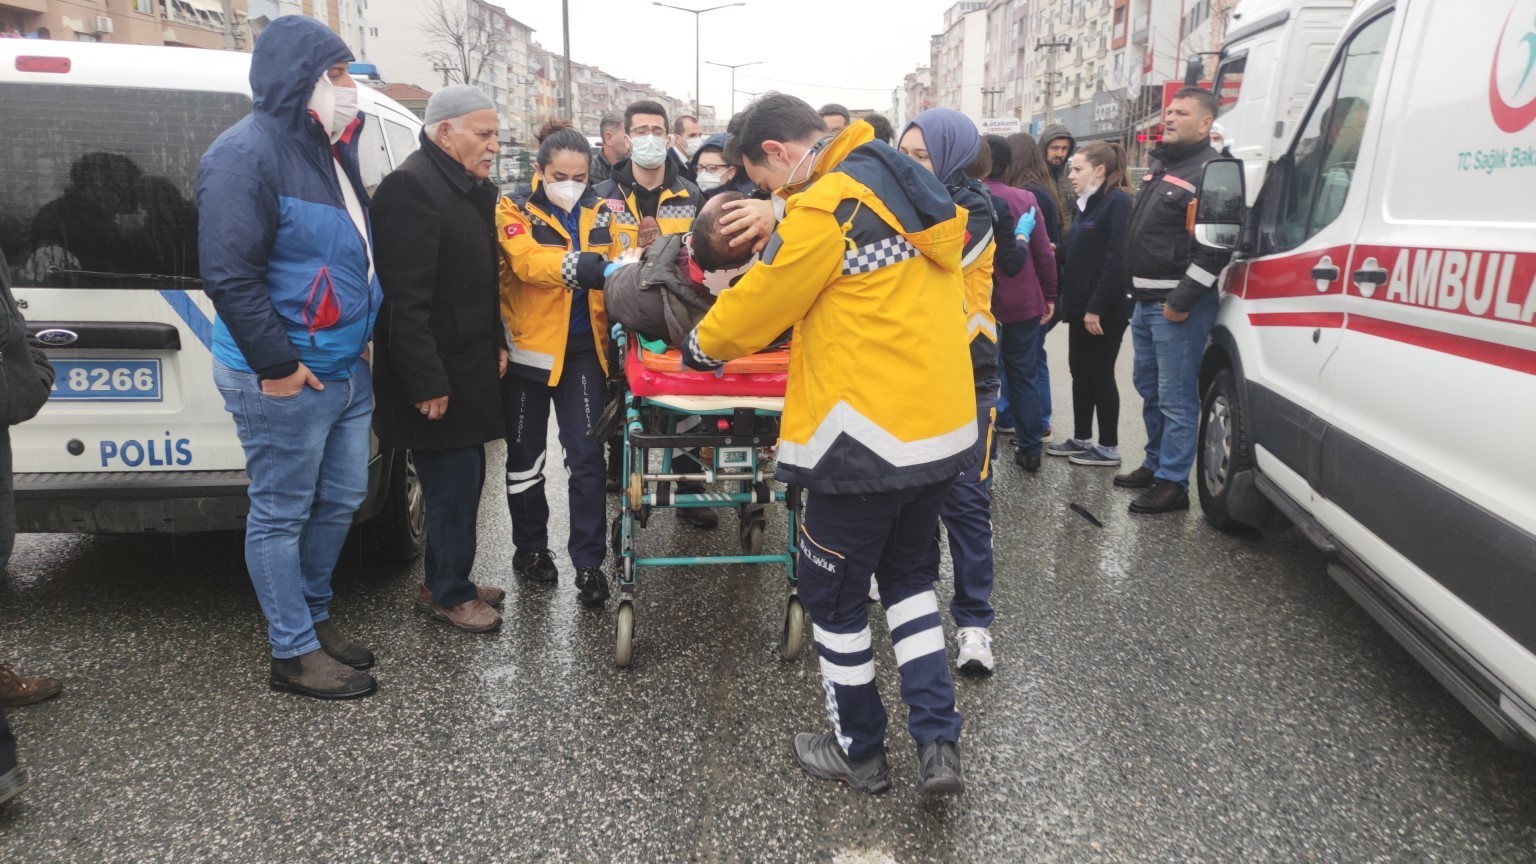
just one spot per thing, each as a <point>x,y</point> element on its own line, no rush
<point>710,244</point>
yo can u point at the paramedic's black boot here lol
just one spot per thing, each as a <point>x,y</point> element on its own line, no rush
<point>940,764</point>
<point>1027,462</point>
<point>535,565</point>
<point>592,586</point>
<point>821,756</point>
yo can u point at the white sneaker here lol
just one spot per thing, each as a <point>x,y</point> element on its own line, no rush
<point>874,589</point>
<point>975,654</point>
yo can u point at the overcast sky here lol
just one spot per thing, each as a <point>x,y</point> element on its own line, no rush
<point>849,51</point>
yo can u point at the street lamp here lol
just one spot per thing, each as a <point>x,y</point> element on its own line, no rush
<point>733,67</point>
<point>696,64</point>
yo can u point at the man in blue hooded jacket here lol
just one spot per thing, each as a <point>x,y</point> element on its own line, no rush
<point>287,261</point>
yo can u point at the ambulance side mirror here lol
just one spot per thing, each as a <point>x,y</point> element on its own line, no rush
<point>1222,205</point>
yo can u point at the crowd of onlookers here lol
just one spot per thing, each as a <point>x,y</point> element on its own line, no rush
<point>443,314</point>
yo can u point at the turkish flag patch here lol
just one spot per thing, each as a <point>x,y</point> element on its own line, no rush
<point>513,230</point>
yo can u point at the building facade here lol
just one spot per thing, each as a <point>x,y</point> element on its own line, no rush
<point>959,67</point>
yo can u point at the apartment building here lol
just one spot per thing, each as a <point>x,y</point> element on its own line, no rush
<point>958,59</point>
<point>183,23</point>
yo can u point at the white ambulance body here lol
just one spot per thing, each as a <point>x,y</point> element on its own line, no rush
<point>1262,97</point>
<point>98,228</point>
<point>1372,376</point>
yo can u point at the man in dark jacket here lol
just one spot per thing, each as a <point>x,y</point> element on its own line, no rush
<point>440,341</point>
<point>1058,145</point>
<point>614,149</point>
<point>286,257</point>
<point>1173,279</point>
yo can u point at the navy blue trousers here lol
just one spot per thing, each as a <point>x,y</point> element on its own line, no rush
<point>967,515</point>
<point>578,401</point>
<point>452,481</point>
<point>844,539</point>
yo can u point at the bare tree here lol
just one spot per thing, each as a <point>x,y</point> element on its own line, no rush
<point>464,39</point>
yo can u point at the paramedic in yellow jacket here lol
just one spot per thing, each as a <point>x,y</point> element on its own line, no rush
<point>557,245</point>
<point>879,414</point>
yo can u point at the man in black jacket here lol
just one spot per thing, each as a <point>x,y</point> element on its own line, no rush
<point>1173,279</point>
<point>440,341</point>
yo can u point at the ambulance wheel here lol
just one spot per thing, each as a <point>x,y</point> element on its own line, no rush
<point>624,634</point>
<point>398,532</point>
<point>1224,449</point>
<point>752,531</point>
<point>794,630</point>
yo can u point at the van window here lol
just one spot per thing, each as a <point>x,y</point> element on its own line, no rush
<point>1322,162</point>
<point>101,179</point>
<point>372,159</point>
<point>1229,82</point>
<point>403,140</point>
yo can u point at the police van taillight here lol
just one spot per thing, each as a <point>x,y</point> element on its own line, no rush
<point>58,65</point>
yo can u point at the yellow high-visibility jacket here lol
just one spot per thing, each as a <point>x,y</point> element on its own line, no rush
<point>866,265</point>
<point>542,267</point>
<point>679,203</point>
<point>977,266</point>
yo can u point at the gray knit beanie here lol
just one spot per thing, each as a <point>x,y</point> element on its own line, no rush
<point>456,101</point>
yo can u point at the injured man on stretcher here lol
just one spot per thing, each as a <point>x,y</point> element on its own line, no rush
<point>669,289</point>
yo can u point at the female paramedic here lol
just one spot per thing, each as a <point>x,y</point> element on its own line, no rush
<point>558,241</point>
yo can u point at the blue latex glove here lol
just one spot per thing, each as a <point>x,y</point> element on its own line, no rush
<point>1026,225</point>
<point>612,266</point>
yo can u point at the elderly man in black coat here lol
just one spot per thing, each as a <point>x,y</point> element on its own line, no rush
<point>441,345</point>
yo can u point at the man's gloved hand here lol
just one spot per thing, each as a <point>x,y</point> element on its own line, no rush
<point>1026,224</point>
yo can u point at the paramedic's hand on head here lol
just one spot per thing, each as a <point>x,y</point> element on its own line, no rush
<point>434,409</point>
<point>502,355</point>
<point>290,386</point>
<point>749,221</point>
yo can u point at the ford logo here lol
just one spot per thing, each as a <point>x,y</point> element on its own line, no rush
<point>57,337</point>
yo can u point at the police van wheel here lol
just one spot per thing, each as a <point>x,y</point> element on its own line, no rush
<point>624,634</point>
<point>399,531</point>
<point>1224,449</point>
<point>794,630</point>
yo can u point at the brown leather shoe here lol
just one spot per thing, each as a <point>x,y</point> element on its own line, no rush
<point>318,675</point>
<point>17,690</point>
<point>475,616</point>
<point>492,597</point>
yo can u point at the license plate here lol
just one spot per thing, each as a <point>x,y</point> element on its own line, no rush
<point>106,380</point>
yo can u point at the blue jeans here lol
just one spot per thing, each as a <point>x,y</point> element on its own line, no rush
<point>1043,377</point>
<point>307,456</point>
<point>967,514</point>
<point>1167,375</point>
<point>1019,351</point>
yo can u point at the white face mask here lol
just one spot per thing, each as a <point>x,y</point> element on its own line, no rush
<point>648,151</point>
<point>709,181</point>
<point>719,280</point>
<point>336,107</point>
<point>695,145</point>
<point>565,193</point>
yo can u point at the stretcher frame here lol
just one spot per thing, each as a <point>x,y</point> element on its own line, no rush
<point>734,445</point>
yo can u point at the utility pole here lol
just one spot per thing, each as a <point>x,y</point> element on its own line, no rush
<point>565,24</point>
<point>697,64</point>
<point>988,95</point>
<point>733,67</point>
<point>1050,72</point>
<point>229,26</point>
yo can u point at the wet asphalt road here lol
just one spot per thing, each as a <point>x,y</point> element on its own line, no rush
<point>1165,692</point>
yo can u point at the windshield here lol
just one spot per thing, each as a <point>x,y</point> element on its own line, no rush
<point>97,183</point>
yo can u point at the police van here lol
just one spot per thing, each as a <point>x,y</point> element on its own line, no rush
<point>98,229</point>
<point>1372,376</point>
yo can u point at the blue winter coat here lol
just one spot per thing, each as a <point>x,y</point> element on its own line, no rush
<point>281,258</point>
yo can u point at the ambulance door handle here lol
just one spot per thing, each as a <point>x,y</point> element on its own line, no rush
<point>1371,276</point>
<point>1325,272</point>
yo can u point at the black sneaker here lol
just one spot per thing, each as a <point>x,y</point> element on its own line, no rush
<point>821,756</point>
<point>1027,462</point>
<point>940,765</point>
<point>1165,496</point>
<point>592,586</point>
<point>535,565</point>
<point>13,783</point>
<point>1141,478</point>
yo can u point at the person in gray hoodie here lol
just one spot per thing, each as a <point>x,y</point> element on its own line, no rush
<point>1058,145</point>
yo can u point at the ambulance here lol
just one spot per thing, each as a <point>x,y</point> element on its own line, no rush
<point>98,232</point>
<point>1372,376</point>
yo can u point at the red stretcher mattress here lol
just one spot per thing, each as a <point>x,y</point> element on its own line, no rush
<point>664,375</point>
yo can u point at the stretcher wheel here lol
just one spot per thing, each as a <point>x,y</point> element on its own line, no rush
<point>616,537</point>
<point>636,491</point>
<point>752,536</point>
<point>624,634</point>
<point>794,630</point>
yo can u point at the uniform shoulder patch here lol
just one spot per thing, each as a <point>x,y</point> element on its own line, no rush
<point>616,205</point>
<point>513,230</point>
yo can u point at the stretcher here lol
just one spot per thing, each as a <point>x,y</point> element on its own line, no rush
<point>728,424</point>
